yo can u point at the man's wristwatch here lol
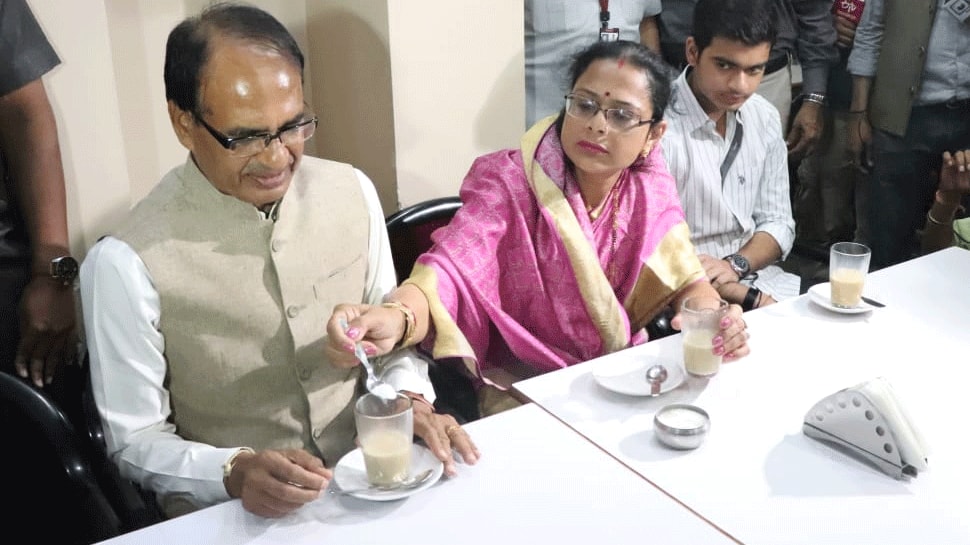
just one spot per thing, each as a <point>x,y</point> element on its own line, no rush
<point>64,270</point>
<point>739,264</point>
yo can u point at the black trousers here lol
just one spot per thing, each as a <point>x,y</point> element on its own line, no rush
<point>13,280</point>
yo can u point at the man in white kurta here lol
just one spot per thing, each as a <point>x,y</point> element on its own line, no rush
<point>206,310</point>
<point>127,349</point>
<point>740,219</point>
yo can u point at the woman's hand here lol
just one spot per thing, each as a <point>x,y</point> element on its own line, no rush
<point>377,328</point>
<point>731,342</point>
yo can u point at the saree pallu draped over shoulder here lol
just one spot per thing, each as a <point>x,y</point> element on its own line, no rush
<point>516,283</point>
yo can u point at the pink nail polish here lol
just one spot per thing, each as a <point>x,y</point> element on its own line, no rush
<point>370,351</point>
<point>725,323</point>
<point>349,347</point>
<point>717,340</point>
<point>719,350</point>
<point>353,332</point>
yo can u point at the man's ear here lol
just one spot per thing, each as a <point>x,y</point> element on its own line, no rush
<point>182,123</point>
<point>691,52</point>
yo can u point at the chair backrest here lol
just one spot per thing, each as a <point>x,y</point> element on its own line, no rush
<point>52,489</point>
<point>409,230</point>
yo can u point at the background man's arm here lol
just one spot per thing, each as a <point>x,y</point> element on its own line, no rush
<point>28,137</point>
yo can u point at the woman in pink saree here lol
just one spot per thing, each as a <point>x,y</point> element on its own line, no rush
<point>563,250</point>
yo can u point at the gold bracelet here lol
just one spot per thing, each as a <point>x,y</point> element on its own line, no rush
<point>231,462</point>
<point>929,216</point>
<point>409,323</point>
<point>419,398</point>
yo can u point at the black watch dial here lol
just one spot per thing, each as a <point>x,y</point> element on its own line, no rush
<point>740,264</point>
<point>64,269</point>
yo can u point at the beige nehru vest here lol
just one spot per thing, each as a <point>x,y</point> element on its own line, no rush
<point>245,302</point>
<point>906,32</point>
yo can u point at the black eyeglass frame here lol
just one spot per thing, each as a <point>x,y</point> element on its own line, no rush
<point>606,113</point>
<point>228,141</point>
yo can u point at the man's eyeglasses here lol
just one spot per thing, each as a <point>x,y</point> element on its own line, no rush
<point>618,119</point>
<point>254,144</point>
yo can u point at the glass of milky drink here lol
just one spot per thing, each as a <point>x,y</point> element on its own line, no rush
<point>848,265</point>
<point>385,428</point>
<point>700,319</point>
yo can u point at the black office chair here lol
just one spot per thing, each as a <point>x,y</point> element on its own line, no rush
<point>136,507</point>
<point>409,230</point>
<point>52,493</point>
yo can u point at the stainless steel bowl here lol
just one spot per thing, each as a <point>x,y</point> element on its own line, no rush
<point>681,426</point>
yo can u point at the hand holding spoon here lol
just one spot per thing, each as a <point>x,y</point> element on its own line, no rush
<point>374,385</point>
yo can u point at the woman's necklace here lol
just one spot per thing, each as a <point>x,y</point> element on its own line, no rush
<point>611,263</point>
<point>613,197</point>
<point>595,211</point>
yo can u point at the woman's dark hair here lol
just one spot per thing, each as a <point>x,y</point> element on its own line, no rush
<point>187,49</point>
<point>658,73</point>
<point>751,22</point>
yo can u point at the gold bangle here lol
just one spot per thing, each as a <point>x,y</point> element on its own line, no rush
<point>419,398</point>
<point>409,323</point>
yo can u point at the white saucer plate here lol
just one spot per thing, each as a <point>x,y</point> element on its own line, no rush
<point>629,376</point>
<point>350,474</point>
<point>821,295</point>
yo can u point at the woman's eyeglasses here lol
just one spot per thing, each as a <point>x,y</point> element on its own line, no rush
<point>254,144</point>
<point>618,119</point>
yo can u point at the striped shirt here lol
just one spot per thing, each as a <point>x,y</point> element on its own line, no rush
<point>754,194</point>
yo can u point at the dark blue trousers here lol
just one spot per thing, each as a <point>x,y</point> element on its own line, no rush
<point>904,177</point>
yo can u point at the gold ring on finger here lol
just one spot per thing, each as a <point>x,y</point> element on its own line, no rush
<point>450,430</point>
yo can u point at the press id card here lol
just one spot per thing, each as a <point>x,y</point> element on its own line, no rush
<point>958,8</point>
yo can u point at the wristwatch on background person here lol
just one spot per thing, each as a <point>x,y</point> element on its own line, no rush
<point>64,269</point>
<point>739,264</point>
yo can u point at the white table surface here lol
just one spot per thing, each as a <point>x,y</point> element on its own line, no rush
<point>537,482</point>
<point>757,476</point>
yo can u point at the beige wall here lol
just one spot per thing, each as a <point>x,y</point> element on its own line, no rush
<point>352,88</point>
<point>410,91</point>
<point>459,83</point>
<point>84,96</point>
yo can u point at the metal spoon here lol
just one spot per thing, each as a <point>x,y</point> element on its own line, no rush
<point>656,375</point>
<point>374,385</point>
<point>413,481</point>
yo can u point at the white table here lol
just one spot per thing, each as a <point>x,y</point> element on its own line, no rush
<point>757,476</point>
<point>537,482</point>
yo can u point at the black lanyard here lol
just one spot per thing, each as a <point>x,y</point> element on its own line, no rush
<point>732,153</point>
